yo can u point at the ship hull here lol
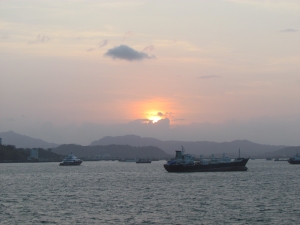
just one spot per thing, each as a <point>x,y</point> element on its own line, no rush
<point>294,161</point>
<point>220,167</point>
<point>70,163</point>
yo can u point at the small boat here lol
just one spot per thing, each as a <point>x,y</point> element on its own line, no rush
<point>295,159</point>
<point>143,161</point>
<point>186,163</point>
<point>279,160</point>
<point>71,160</point>
<point>127,160</point>
<point>269,159</point>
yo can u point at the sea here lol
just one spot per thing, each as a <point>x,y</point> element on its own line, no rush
<point>112,192</point>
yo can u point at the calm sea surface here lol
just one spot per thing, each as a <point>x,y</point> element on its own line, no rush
<point>128,193</point>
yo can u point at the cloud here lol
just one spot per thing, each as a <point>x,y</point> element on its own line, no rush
<point>91,49</point>
<point>160,114</point>
<point>40,39</point>
<point>4,36</point>
<point>126,53</point>
<point>209,77</point>
<point>289,30</point>
<point>102,43</point>
<point>149,48</point>
<point>178,119</point>
<point>128,34</point>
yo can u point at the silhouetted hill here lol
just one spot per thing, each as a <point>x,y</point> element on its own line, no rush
<point>286,152</point>
<point>193,147</point>
<point>115,151</point>
<point>22,141</point>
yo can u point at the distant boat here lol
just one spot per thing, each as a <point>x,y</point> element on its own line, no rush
<point>295,159</point>
<point>71,160</point>
<point>268,159</point>
<point>277,159</point>
<point>127,160</point>
<point>143,161</point>
<point>186,163</point>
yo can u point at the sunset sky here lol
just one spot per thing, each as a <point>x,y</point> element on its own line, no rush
<point>212,70</point>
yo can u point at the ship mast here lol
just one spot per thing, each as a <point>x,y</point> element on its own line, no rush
<point>182,149</point>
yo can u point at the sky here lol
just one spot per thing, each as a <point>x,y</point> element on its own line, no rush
<point>195,70</point>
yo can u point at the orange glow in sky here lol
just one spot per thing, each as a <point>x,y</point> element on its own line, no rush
<point>153,109</point>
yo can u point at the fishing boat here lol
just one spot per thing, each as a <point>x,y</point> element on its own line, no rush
<point>186,163</point>
<point>71,160</point>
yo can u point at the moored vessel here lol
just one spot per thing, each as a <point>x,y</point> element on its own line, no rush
<point>186,163</point>
<point>127,160</point>
<point>143,161</point>
<point>280,160</point>
<point>295,159</point>
<point>71,160</point>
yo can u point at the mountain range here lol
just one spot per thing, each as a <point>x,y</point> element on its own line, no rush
<point>248,149</point>
<point>205,148</point>
<point>22,141</point>
<point>112,151</point>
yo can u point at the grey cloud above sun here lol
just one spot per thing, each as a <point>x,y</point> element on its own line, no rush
<point>127,53</point>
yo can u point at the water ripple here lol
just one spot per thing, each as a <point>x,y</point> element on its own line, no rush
<point>129,193</point>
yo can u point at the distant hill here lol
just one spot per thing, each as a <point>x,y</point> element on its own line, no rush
<point>286,152</point>
<point>248,148</point>
<point>22,141</point>
<point>115,151</point>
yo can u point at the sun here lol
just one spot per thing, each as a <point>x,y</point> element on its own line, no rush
<point>154,118</point>
<point>152,110</point>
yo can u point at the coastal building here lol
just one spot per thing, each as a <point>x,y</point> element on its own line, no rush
<point>34,154</point>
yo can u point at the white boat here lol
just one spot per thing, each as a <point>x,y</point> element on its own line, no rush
<point>71,160</point>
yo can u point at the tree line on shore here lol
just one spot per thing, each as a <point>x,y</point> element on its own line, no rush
<point>9,153</point>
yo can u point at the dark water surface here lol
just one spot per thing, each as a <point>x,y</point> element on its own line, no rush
<point>129,193</point>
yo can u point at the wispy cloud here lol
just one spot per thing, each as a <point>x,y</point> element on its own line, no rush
<point>160,114</point>
<point>289,30</point>
<point>102,43</point>
<point>127,35</point>
<point>209,77</point>
<point>149,48</point>
<point>4,36</point>
<point>178,119</point>
<point>91,49</point>
<point>40,40</point>
<point>127,53</point>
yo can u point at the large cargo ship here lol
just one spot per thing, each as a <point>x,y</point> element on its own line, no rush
<point>186,163</point>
